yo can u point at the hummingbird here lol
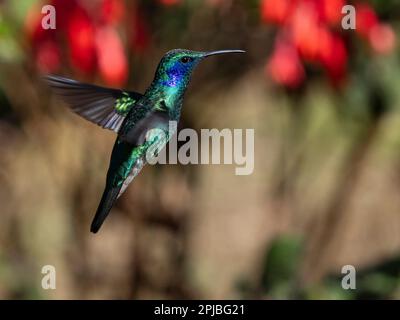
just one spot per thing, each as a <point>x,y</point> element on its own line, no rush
<point>141,121</point>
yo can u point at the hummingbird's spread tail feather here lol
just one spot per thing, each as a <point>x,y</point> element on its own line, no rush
<point>110,195</point>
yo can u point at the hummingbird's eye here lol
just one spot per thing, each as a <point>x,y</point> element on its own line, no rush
<point>186,59</point>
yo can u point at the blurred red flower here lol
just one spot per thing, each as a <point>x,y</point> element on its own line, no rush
<point>112,11</point>
<point>276,11</point>
<point>332,11</point>
<point>305,30</point>
<point>113,64</point>
<point>90,36</point>
<point>81,41</point>
<point>382,38</point>
<point>309,26</point>
<point>285,66</point>
<point>48,57</point>
<point>334,58</point>
<point>366,19</point>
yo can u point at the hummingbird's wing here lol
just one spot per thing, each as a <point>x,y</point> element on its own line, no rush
<point>103,106</point>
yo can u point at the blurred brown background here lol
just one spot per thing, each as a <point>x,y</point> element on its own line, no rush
<point>326,184</point>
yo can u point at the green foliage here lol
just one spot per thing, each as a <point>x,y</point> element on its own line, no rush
<point>282,263</point>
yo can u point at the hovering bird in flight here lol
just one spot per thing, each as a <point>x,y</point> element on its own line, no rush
<point>136,118</point>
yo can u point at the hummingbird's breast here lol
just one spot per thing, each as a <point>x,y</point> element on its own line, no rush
<point>154,110</point>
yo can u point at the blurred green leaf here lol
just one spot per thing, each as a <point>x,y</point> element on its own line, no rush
<point>281,265</point>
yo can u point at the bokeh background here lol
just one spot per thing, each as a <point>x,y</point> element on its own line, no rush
<point>325,106</point>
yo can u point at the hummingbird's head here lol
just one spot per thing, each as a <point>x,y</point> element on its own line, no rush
<point>176,67</point>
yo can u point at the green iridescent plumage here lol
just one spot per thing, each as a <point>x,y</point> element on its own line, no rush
<point>141,121</point>
<point>123,104</point>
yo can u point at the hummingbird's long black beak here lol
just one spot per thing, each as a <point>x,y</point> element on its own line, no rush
<point>212,53</point>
